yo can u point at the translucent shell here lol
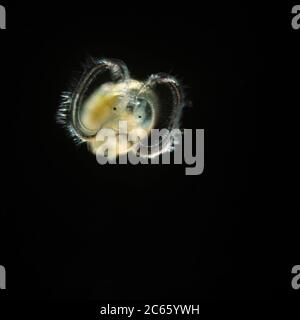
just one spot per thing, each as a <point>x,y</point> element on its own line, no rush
<point>105,96</point>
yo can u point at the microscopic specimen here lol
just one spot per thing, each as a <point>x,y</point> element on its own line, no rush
<point>106,96</point>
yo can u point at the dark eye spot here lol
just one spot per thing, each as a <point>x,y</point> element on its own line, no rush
<point>114,108</point>
<point>140,116</point>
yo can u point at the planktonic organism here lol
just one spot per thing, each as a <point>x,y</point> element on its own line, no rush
<point>106,95</point>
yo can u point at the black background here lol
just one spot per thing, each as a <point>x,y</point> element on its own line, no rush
<point>75,229</point>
